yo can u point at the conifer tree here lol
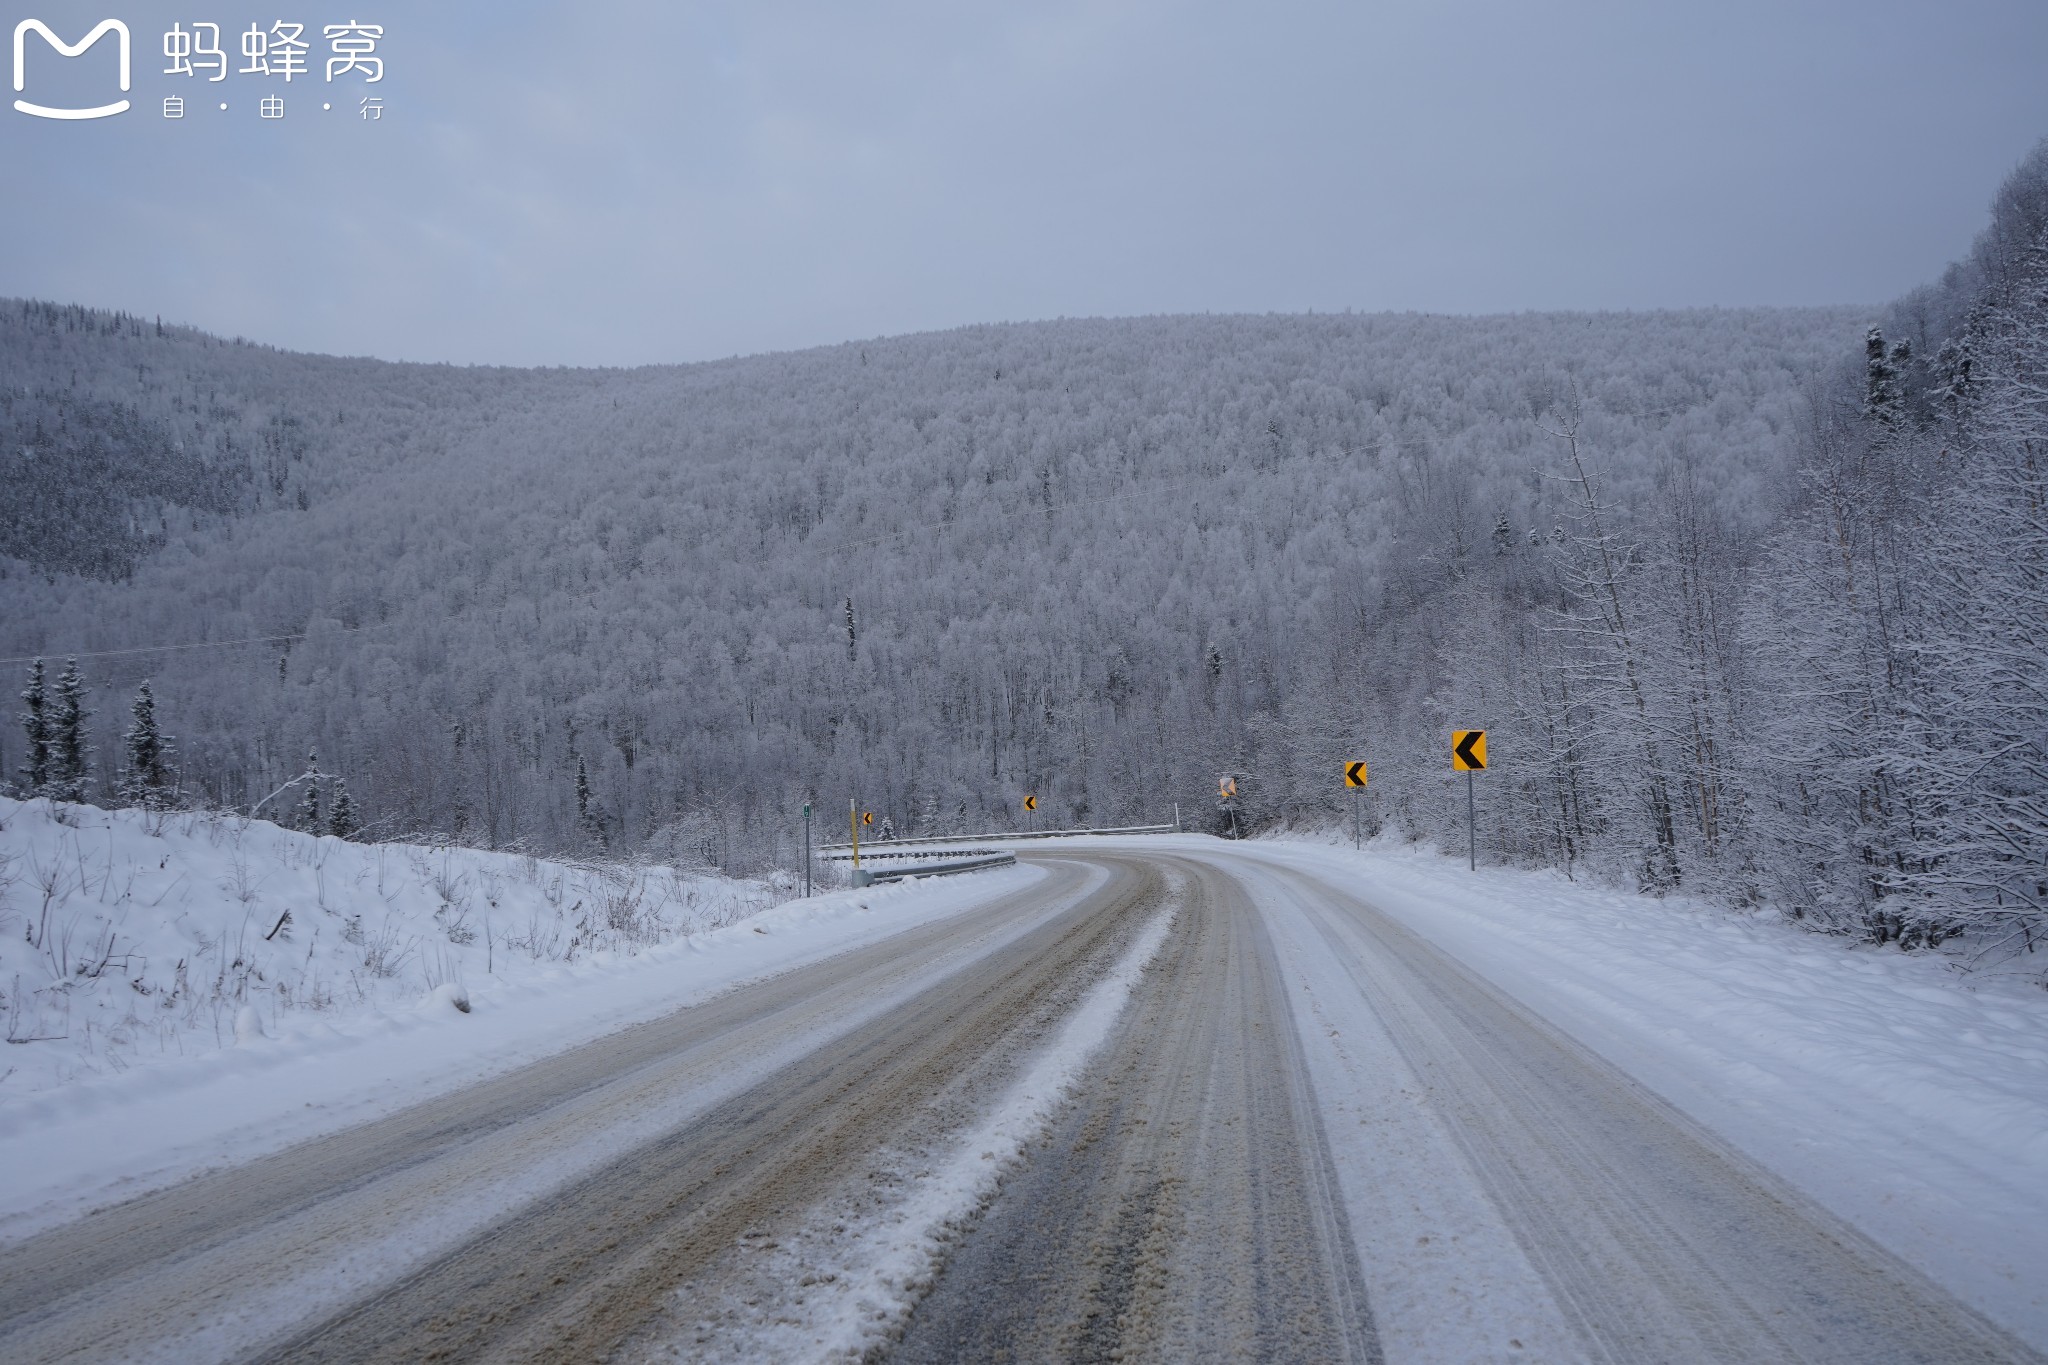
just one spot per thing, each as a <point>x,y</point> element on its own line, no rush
<point>342,820</point>
<point>36,721</point>
<point>588,818</point>
<point>306,816</point>
<point>70,759</point>
<point>149,780</point>
<point>1953,363</point>
<point>1881,380</point>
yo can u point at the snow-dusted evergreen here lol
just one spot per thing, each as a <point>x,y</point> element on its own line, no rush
<point>1750,602</point>
<point>149,779</point>
<point>35,724</point>
<point>70,749</point>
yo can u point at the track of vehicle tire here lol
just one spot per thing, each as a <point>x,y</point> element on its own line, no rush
<point>1658,1241</point>
<point>1186,1203</point>
<point>168,1275</point>
<point>1184,1207</point>
<point>571,1278</point>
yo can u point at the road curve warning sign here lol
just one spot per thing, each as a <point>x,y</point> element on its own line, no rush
<point>867,817</point>
<point>1468,750</point>
<point>1354,774</point>
<point>1226,787</point>
<point>1030,803</point>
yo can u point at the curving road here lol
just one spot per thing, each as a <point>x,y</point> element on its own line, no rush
<point>1306,1135</point>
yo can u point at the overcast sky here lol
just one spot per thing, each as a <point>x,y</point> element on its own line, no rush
<point>617,183</point>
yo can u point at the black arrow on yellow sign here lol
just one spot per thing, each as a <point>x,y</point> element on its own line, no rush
<point>1354,774</point>
<point>1030,803</point>
<point>867,817</point>
<point>1468,755</point>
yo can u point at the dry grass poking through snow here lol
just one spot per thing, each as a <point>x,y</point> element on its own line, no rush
<point>127,936</point>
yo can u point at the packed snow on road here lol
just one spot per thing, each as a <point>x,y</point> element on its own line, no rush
<point>186,992</point>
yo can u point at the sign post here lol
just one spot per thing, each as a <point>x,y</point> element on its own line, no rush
<point>1468,755</point>
<point>1354,780</point>
<point>1226,792</point>
<point>853,823</point>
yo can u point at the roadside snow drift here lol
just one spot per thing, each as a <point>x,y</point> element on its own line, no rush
<point>128,937</point>
<point>185,990</point>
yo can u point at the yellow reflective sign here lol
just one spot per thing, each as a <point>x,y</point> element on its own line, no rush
<point>1468,750</point>
<point>1354,774</point>
<point>1030,803</point>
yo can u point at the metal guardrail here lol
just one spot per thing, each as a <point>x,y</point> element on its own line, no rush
<point>879,845</point>
<point>887,851</point>
<point>863,876</point>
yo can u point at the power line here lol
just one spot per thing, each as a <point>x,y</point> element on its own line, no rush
<point>190,644</point>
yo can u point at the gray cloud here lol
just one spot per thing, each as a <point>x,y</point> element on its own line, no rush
<point>620,183</point>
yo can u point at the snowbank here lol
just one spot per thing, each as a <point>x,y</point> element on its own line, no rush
<point>189,989</point>
<point>128,938</point>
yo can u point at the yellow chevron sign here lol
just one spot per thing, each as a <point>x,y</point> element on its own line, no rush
<point>1468,751</point>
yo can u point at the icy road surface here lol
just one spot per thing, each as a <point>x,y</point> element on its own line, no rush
<point>1173,1101</point>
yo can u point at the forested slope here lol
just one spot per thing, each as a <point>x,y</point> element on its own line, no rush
<point>1702,589</point>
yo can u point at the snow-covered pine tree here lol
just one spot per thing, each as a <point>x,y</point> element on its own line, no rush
<point>1881,380</point>
<point>70,756</point>
<point>35,721</point>
<point>342,820</point>
<point>588,818</point>
<point>1952,364</point>
<point>148,779</point>
<point>306,815</point>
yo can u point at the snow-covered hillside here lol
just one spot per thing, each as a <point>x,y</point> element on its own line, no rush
<point>1743,611</point>
<point>1089,560</point>
<point>128,937</point>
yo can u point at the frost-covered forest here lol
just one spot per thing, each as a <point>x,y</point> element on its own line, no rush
<point>1752,603</point>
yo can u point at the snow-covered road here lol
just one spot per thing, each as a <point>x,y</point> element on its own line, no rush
<point>1159,1099</point>
<point>1423,1170</point>
<point>1526,1191</point>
